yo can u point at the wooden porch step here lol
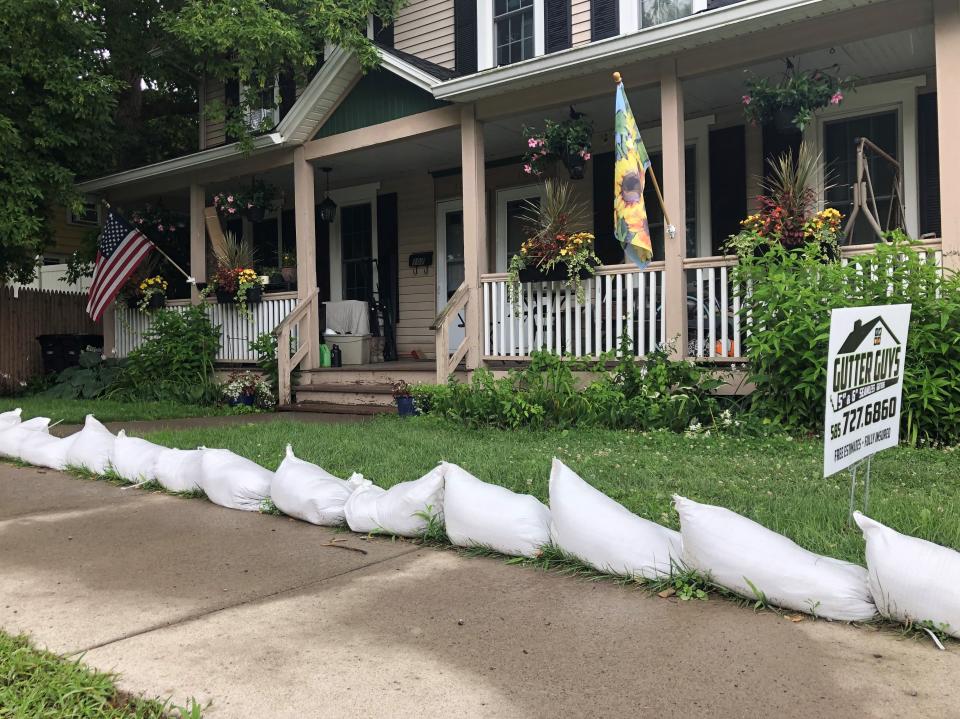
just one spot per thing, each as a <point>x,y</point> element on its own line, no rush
<point>343,395</point>
<point>330,408</point>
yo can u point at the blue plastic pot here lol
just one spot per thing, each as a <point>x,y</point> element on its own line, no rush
<point>405,407</point>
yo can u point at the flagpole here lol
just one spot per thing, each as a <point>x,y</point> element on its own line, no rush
<point>618,79</point>
<point>191,280</point>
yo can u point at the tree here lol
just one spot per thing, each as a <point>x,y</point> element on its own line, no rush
<point>56,114</point>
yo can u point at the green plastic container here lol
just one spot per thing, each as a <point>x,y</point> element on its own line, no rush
<point>324,355</point>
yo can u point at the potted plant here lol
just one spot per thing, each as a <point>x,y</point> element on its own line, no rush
<point>404,399</point>
<point>788,215</point>
<point>156,222</point>
<point>153,293</point>
<point>258,200</point>
<point>248,389</point>
<point>567,141</point>
<point>554,249</point>
<point>228,205</point>
<point>288,266</point>
<point>790,103</point>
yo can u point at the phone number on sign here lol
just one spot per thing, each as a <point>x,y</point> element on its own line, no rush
<point>858,417</point>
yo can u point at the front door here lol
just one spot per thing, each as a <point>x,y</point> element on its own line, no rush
<point>450,272</point>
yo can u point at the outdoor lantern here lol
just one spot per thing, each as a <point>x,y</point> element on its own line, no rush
<point>328,208</point>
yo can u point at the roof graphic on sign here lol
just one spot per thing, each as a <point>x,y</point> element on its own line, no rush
<point>861,330</point>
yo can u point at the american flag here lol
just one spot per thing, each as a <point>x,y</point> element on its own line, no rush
<point>120,249</point>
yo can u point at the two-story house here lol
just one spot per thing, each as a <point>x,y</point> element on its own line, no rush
<point>422,159</point>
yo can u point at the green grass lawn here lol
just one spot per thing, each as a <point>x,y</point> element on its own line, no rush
<point>35,683</point>
<point>73,411</point>
<point>775,481</point>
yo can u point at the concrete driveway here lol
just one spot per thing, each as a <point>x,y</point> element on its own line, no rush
<point>262,617</point>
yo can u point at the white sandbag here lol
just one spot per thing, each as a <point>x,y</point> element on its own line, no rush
<point>134,459</point>
<point>737,552</point>
<point>912,580</point>
<point>590,526</point>
<point>308,492</point>
<point>8,419</point>
<point>92,448</point>
<point>233,481</point>
<point>178,470</point>
<point>478,514</point>
<point>45,450</point>
<point>401,510</point>
<point>14,436</point>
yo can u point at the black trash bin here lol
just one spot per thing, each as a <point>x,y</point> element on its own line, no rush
<point>91,341</point>
<point>51,350</point>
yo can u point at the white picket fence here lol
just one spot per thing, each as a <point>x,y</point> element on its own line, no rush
<point>618,299</point>
<point>236,331</point>
<point>621,299</point>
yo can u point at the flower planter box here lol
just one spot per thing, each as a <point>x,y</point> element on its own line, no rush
<point>156,302</point>
<point>226,298</point>
<point>254,296</point>
<point>132,302</point>
<point>557,274</point>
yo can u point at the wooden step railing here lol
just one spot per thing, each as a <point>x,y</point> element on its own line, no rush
<point>302,324</point>
<point>447,361</point>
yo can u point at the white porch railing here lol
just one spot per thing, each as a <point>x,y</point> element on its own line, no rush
<point>619,299</point>
<point>236,331</point>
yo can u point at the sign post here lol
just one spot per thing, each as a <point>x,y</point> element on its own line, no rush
<point>868,347</point>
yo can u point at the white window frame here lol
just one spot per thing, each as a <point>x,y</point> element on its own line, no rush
<point>505,195</point>
<point>894,95</point>
<point>443,208</point>
<point>89,200</point>
<point>630,15</point>
<point>261,112</point>
<point>347,197</point>
<point>486,36</point>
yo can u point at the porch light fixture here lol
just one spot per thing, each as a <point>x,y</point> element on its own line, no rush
<point>328,208</point>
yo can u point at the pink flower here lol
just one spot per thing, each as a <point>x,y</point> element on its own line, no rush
<point>747,99</point>
<point>160,228</point>
<point>249,205</point>
<point>585,155</point>
<point>837,98</point>
<point>232,210</point>
<point>528,169</point>
<point>532,142</point>
<point>229,198</point>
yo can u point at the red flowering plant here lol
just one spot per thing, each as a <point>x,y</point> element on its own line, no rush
<point>788,216</point>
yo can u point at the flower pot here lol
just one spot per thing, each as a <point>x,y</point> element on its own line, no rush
<point>783,120</point>
<point>132,302</point>
<point>556,274</point>
<point>226,298</point>
<point>405,407</point>
<point>255,214</point>
<point>254,295</point>
<point>575,166</point>
<point>289,274</point>
<point>244,399</point>
<point>156,302</point>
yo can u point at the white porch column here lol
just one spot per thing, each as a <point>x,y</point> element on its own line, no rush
<point>198,239</point>
<point>474,226</point>
<point>947,41</point>
<point>675,249</point>
<point>305,212</point>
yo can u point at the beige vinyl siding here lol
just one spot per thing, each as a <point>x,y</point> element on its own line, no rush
<point>66,237</point>
<point>214,134</point>
<point>425,28</point>
<point>418,292</point>
<point>580,22</point>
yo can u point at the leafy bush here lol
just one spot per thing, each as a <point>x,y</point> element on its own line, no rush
<point>175,362</point>
<point>266,348</point>
<point>88,380</point>
<point>789,310</point>
<point>658,394</point>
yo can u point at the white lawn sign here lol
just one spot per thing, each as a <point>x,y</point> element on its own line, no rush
<point>868,349</point>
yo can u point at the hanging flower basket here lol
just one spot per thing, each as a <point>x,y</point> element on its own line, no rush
<point>784,120</point>
<point>790,103</point>
<point>256,214</point>
<point>567,141</point>
<point>576,165</point>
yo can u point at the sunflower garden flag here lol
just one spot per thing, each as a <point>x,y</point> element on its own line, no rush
<point>632,162</point>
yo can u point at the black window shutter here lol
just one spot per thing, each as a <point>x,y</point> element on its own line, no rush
<point>557,25</point>
<point>382,34</point>
<point>465,37</point>
<point>928,151</point>
<point>606,246</point>
<point>388,249</point>
<point>288,91</point>
<point>604,19</point>
<point>728,183</point>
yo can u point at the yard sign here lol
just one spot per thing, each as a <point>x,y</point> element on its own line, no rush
<point>868,347</point>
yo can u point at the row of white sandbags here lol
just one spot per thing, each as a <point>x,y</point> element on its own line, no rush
<point>735,552</point>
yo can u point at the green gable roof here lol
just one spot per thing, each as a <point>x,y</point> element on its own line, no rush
<point>378,97</point>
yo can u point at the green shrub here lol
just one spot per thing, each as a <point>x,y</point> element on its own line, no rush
<point>90,379</point>
<point>175,362</point>
<point>789,309</point>
<point>656,394</point>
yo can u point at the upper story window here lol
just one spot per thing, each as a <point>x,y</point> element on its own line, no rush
<point>655,12</point>
<point>264,112</point>
<point>513,30</point>
<point>89,214</point>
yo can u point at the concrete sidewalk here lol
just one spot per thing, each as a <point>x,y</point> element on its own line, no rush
<point>261,616</point>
